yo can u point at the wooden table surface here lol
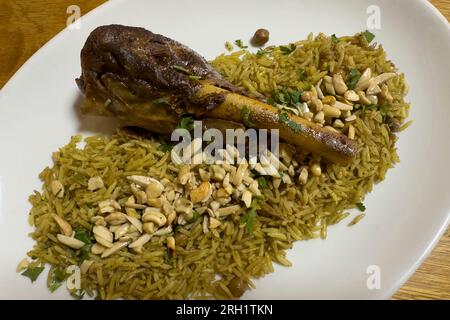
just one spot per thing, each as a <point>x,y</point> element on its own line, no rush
<point>26,25</point>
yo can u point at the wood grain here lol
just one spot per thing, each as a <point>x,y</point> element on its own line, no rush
<point>26,25</point>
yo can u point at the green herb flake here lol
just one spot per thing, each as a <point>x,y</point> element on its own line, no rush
<point>33,273</point>
<point>186,122</point>
<point>54,286</point>
<point>56,278</point>
<point>194,218</point>
<point>165,147</point>
<point>261,52</point>
<point>262,182</point>
<point>161,102</point>
<point>302,74</point>
<point>167,257</point>
<point>384,110</point>
<point>248,219</point>
<point>59,275</point>
<point>246,117</point>
<point>255,202</point>
<point>361,206</point>
<point>369,36</point>
<point>352,78</point>
<point>281,98</point>
<point>334,39</point>
<point>82,236</point>
<point>87,239</point>
<point>283,117</point>
<point>78,294</point>
<point>288,49</point>
<point>182,69</point>
<point>240,44</point>
<point>228,46</point>
<point>195,77</point>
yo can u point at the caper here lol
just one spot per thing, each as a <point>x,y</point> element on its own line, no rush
<point>237,286</point>
<point>260,37</point>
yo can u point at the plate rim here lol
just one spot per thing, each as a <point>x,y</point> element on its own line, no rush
<point>431,244</point>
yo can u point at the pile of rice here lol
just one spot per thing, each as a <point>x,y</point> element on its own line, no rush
<point>204,266</point>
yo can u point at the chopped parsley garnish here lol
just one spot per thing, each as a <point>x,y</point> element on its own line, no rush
<point>262,182</point>
<point>287,97</point>
<point>78,294</point>
<point>369,36</point>
<point>283,117</point>
<point>194,218</point>
<point>302,74</point>
<point>82,236</point>
<point>245,116</point>
<point>353,78</point>
<point>161,101</point>
<point>261,52</point>
<point>295,96</point>
<point>240,44</point>
<point>167,257</point>
<point>288,49</point>
<point>255,203</point>
<point>182,69</point>
<point>57,278</point>
<point>228,46</point>
<point>33,273</point>
<point>186,122</point>
<point>54,286</point>
<point>165,147</point>
<point>361,206</point>
<point>384,109</point>
<point>195,77</point>
<point>87,239</point>
<point>248,219</point>
<point>334,39</point>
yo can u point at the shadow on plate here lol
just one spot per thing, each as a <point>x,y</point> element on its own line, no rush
<point>92,124</point>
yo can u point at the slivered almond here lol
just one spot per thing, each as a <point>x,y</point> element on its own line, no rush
<point>142,181</point>
<point>131,203</point>
<point>103,241</point>
<point>140,241</point>
<point>70,242</point>
<point>163,231</point>
<point>65,227</point>
<point>115,218</point>
<point>97,249</point>
<point>135,222</point>
<point>122,230</point>
<point>109,203</point>
<point>116,247</point>
<point>342,106</point>
<point>228,210</point>
<point>363,82</point>
<point>95,183</point>
<point>57,188</point>
<point>103,232</point>
<point>171,243</point>
<point>85,265</point>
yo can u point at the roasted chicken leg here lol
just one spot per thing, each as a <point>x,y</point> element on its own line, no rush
<point>149,81</point>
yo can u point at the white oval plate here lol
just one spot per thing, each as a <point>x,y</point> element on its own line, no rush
<point>406,214</point>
